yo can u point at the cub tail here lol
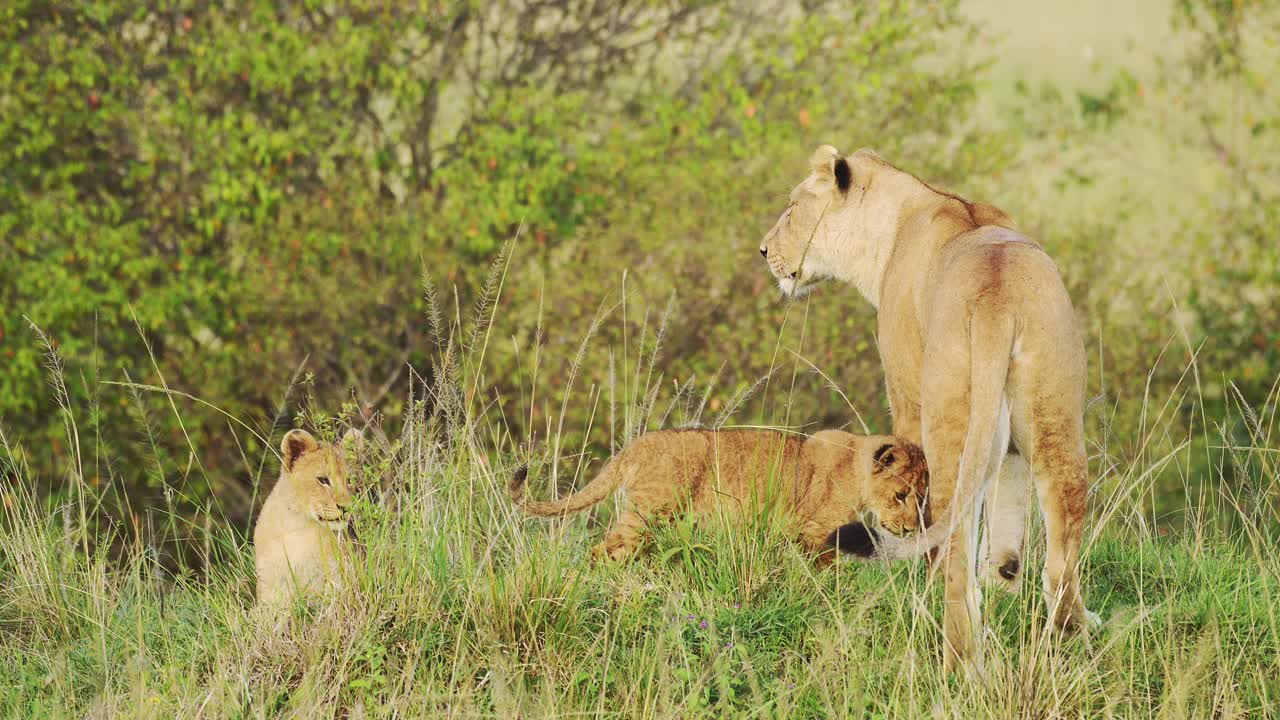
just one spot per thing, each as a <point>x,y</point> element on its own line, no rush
<point>601,487</point>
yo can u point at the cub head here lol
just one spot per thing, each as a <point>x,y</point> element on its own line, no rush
<point>317,476</point>
<point>898,487</point>
<point>824,232</point>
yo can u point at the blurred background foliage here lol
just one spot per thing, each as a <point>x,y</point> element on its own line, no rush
<point>241,202</point>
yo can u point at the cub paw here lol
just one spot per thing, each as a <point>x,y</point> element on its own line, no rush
<point>611,551</point>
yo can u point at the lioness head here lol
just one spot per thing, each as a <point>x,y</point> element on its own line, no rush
<point>317,476</point>
<point>833,228</point>
<point>897,489</point>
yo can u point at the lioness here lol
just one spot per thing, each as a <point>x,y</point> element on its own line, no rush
<point>983,364</point>
<point>299,540</point>
<point>824,482</point>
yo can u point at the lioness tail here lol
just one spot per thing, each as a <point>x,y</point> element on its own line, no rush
<point>991,348</point>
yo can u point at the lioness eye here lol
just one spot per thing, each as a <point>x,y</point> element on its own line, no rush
<point>323,480</point>
<point>901,497</point>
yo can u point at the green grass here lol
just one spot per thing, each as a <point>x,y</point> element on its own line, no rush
<point>465,608</point>
<point>468,610</point>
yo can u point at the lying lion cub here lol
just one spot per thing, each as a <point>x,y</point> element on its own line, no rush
<point>823,482</point>
<point>299,542</point>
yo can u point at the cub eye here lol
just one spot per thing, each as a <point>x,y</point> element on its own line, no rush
<point>323,480</point>
<point>901,497</point>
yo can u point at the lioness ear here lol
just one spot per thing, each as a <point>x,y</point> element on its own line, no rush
<point>824,159</point>
<point>296,443</point>
<point>844,174</point>
<point>884,456</point>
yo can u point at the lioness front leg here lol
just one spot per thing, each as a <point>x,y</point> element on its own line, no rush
<point>1005,522</point>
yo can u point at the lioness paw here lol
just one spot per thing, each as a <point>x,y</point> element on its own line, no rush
<point>1092,620</point>
<point>1005,575</point>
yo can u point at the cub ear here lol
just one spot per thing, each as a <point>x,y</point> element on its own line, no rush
<point>296,443</point>
<point>885,456</point>
<point>351,442</point>
<point>823,161</point>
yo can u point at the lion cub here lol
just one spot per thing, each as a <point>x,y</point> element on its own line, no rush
<point>299,541</point>
<point>823,482</point>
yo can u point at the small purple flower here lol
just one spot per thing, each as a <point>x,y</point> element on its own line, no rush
<point>728,645</point>
<point>737,606</point>
<point>703,624</point>
<point>791,686</point>
<point>692,617</point>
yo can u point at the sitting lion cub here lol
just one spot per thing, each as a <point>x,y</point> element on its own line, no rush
<point>823,482</point>
<point>299,540</point>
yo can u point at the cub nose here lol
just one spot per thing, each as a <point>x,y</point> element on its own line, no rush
<point>794,275</point>
<point>764,253</point>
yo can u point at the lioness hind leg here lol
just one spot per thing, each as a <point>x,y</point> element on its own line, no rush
<point>944,439</point>
<point>1005,524</point>
<point>962,627</point>
<point>1059,470</point>
<point>1062,487</point>
<point>1047,391</point>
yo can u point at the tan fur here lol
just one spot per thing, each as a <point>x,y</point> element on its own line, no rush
<point>981,357</point>
<point>821,482</point>
<point>300,541</point>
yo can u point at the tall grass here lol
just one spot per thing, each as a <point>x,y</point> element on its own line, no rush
<point>465,608</point>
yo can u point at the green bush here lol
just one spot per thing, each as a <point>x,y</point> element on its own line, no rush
<point>268,185</point>
<point>241,205</point>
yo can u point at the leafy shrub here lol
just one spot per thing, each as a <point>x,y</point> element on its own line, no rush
<point>211,199</point>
